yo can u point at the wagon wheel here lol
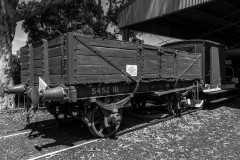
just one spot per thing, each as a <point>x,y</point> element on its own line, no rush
<point>174,107</point>
<point>96,123</point>
<point>138,103</point>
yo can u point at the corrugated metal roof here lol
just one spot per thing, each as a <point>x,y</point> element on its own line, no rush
<point>143,10</point>
<point>215,20</point>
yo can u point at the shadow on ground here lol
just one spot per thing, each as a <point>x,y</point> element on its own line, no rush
<point>76,131</point>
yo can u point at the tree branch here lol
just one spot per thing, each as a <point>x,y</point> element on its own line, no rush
<point>34,7</point>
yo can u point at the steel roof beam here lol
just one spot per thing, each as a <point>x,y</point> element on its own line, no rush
<point>230,23</point>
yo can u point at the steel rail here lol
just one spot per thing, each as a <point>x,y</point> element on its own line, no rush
<point>25,132</point>
<point>63,150</point>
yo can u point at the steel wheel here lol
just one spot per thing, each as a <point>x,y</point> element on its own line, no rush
<point>138,103</point>
<point>174,107</point>
<point>96,123</point>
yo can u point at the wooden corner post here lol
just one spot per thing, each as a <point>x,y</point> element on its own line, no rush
<point>45,62</point>
<point>30,68</point>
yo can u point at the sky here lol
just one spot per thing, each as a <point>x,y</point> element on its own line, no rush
<point>19,39</point>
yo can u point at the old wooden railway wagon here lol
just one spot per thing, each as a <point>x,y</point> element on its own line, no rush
<point>220,85</point>
<point>94,78</point>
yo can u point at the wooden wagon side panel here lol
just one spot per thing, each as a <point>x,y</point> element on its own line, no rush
<point>86,66</point>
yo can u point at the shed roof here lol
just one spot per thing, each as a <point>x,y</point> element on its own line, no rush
<point>216,20</point>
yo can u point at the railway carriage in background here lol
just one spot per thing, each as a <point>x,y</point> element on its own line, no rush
<point>93,79</point>
<point>218,72</point>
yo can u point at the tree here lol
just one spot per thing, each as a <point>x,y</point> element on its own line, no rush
<point>84,16</point>
<point>10,14</point>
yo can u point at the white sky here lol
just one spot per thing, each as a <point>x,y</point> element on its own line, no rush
<point>19,39</point>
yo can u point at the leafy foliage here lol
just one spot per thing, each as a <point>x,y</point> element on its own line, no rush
<point>82,16</point>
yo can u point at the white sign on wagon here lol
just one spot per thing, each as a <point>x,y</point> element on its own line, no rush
<point>132,70</point>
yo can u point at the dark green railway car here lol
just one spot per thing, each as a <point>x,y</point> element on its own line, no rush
<point>94,78</point>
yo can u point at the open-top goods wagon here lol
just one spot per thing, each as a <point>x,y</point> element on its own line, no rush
<point>93,78</point>
<point>217,74</point>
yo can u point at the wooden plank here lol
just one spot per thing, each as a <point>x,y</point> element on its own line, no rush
<point>38,64</point>
<point>100,42</point>
<point>54,42</point>
<point>38,71</point>
<point>96,70</point>
<point>185,60</point>
<point>55,70</point>
<point>167,64</point>
<point>123,61</point>
<point>82,79</point>
<point>55,79</point>
<point>55,61</point>
<point>95,60</point>
<point>24,66</point>
<point>109,52</point>
<point>24,73</point>
<point>54,52</point>
<point>38,55</point>
<point>24,50</point>
<point>191,76</point>
<point>45,61</point>
<point>24,59</point>
<point>186,54</point>
<point>150,54</point>
<point>90,60</point>
<point>24,54</point>
<point>150,70</point>
<point>150,76</point>
<point>31,69</point>
<point>38,49</point>
<point>37,45</point>
<point>24,79</point>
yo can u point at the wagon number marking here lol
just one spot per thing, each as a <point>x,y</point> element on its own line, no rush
<point>104,90</point>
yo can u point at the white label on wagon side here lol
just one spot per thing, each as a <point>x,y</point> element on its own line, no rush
<point>132,70</point>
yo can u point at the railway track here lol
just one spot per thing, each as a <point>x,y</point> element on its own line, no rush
<point>154,121</point>
<point>14,134</point>
<point>118,134</point>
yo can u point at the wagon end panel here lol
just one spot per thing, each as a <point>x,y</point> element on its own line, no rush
<point>98,60</point>
<point>189,66</point>
<point>56,61</point>
<point>31,63</point>
<point>42,59</point>
<point>24,56</point>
